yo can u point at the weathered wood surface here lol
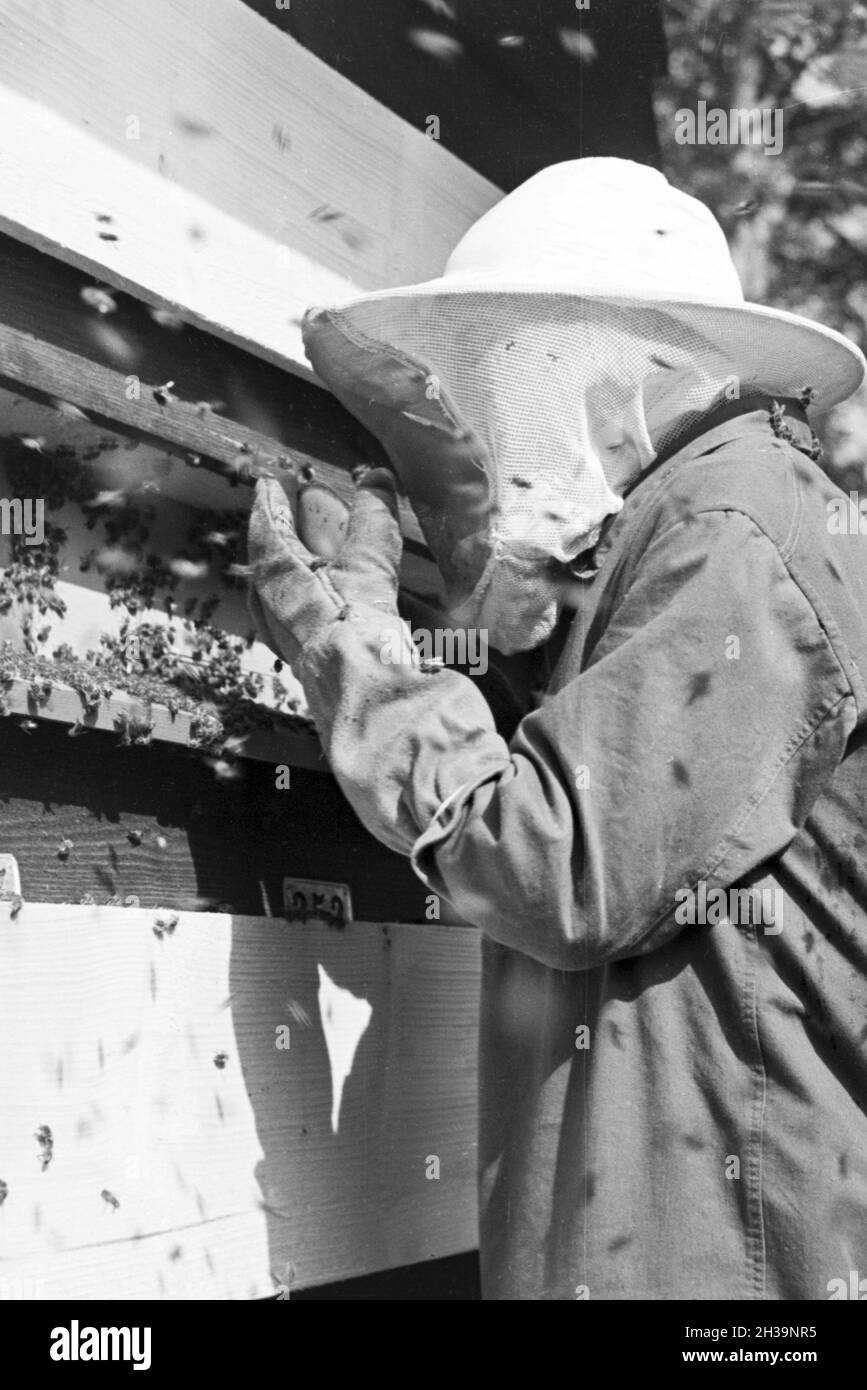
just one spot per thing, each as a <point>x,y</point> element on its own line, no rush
<point>226,1176</point>
<point>243,179</point>
<point>295,748</point>
<point>181,428</point>
<point>52,301</point>
<point>198,843</point>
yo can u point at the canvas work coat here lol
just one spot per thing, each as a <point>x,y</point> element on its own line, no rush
<point>708,1139</point>
<point>672,1106</point>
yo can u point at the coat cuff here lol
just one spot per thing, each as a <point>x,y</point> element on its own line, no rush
<point>402,742</point>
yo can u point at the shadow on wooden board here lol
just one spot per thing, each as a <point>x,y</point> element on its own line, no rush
<point>358,1054</point>
<point>231,1104</point>
<point>266,1101</point>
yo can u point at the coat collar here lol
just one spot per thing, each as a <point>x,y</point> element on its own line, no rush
<point>786,419</point>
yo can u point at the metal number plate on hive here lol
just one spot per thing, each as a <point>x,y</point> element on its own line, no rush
<point>306,900</point>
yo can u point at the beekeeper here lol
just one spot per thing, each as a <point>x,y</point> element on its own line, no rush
<point>589,421</point>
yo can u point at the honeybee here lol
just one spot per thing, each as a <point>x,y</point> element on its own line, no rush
<point>45,1140</point>
<point>163,394</point>
<point>99,299</point>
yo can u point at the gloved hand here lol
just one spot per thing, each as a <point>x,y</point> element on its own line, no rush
<point>296,595</point>
<point>400,736</point>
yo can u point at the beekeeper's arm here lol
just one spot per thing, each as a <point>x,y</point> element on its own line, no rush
<point>691,747</point>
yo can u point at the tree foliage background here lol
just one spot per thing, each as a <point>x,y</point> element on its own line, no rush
<point>796,221</point>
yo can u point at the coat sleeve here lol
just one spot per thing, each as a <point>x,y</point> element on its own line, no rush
<point>709,717</point>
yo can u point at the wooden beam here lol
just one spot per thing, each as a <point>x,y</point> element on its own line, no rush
<point>223,397</point>
<point>225,172</point>
<point>192,1157</point>
<point>53,302</point>
<point>182,428</point>
<point>296,746</point>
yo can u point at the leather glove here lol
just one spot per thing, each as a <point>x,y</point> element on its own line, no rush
<point>297,595</point>
<point>400,737</point>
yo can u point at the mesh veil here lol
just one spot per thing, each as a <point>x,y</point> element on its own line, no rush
<point>515,421</point>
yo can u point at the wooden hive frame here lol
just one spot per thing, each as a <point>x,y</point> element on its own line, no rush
<point>224,182</point>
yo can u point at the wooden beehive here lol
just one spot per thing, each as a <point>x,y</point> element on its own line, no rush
<point>200,1099</point>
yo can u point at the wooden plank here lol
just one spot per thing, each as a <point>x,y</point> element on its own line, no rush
<point>243,179</point>
<point>297,747</point>
<point>158,824</point>
<point>180,427</point>
<point>225,1176</point>
<point>52,301</point>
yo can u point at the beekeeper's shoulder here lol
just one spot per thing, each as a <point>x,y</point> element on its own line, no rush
<point>770,479</point>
